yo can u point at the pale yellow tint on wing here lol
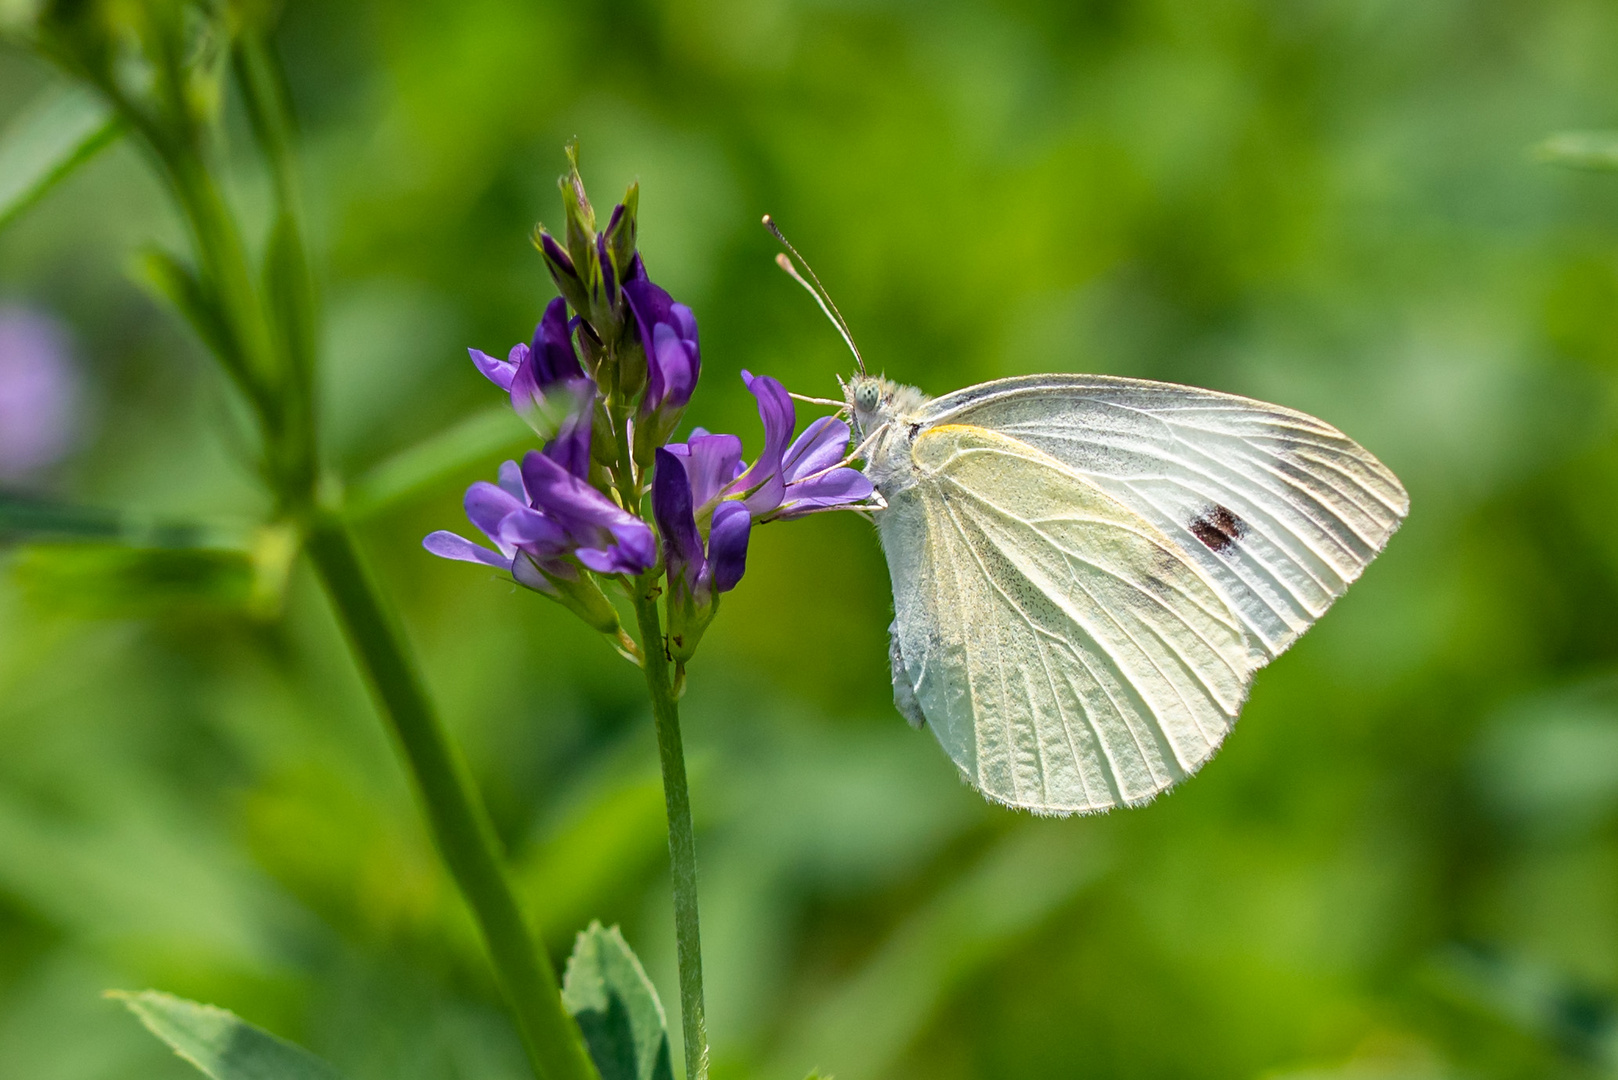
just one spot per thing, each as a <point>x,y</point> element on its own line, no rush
<point>1066,653</point>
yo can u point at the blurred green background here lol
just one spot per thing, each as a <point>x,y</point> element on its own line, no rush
<point>1404,862</point>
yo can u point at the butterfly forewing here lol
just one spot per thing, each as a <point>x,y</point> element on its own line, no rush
<point>1067,653</point>
<point>1280,510</point>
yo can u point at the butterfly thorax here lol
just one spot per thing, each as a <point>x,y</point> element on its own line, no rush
<point>888,414</point>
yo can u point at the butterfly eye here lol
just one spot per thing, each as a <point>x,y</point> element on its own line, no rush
<point>867,396</point>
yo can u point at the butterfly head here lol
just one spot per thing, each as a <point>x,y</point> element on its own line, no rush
<point>875,401</point>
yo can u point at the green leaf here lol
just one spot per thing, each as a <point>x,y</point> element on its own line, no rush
<point>53,135</point>
<point>616,1007</point>
<point>26,519</point>
<point>171,280</point>
<point>219,1043</point>
<point>111,580</point>
<point>1597,150</point>
<point>477,438</point>
<point>290,294</point>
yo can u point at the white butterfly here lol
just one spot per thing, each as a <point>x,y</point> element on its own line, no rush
<point>1087,571</point>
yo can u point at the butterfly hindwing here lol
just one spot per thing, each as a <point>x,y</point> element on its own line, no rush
<point>1065,652</point>
<point>1280,510</point>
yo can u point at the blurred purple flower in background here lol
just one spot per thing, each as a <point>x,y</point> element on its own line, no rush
<point>39,393</point>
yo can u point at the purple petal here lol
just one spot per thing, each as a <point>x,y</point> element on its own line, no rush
<point>822,445</point>
<point>678,361</point>
<point>535,533</point>
<point>500,372</point>
<point>727,544</point>
<point>712,462</point>
<point>570,448</point>
<point>839,487</point>
<point>672,508</point>
<point>447,545</point>
<point>556,254</point>
<point>551,356</point>
<point>487,506</point>
<point>764,481</point>
<point>609,538</point>
<point>634,551</point>
<point>559,494</point>
<point>650,305</point>
<point>668,334</point>
<point>511,481</point>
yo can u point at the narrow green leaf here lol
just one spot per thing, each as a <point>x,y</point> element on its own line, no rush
<point>479,437</point>
<point>616,1006</point>
<point>26,519</point>
<point>171,280</point>
<point>1597,150</point>
<point>53,135</point>
<point>111,580</point>
<point>291,296</point>
<point>220,1044</point>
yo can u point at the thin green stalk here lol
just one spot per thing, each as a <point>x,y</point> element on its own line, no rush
<point>682,839</point>
<point>459,824</point>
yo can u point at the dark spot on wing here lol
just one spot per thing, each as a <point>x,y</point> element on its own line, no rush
<point>1218,528</point>
<point>915,429</point>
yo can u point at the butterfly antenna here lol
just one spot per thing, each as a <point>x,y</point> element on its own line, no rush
<point>817,290</point>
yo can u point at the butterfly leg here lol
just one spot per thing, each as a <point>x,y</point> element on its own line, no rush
<point>904,694</point>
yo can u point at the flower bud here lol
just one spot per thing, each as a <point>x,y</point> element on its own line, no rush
<point>562,270</point>
<point>581,227</point>
<point>621,232</point>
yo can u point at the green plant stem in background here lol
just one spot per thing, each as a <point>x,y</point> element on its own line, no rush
<point>459,825</point>
<point>682,839</point>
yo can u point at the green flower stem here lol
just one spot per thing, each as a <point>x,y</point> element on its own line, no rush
<point>460,827</point>
<point>682,840</point>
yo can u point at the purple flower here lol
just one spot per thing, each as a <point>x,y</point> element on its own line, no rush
<point>711,463</point>
<point>545,521</point>
<point>789,481</point>
<point>548,388</point>
<point>697,575</point>
<point>668,334</point>
<point>703,572</point>
<point>38,393</point>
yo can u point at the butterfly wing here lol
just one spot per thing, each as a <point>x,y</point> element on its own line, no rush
<point>1066,653</point>
<point>1280,510</point>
